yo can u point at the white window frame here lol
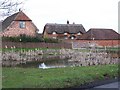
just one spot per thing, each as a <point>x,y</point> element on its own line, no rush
<point>22,24</point>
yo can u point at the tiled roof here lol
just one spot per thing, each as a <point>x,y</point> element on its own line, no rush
<point>100,34</point>
<point>15,17</point>
<point>64,28</point>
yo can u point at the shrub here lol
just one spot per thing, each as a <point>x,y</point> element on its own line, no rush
<point>24,38</point>
<point>50,40</point>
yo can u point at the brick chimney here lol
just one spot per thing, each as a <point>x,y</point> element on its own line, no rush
<point>67,21</point>
<point>73,22</point>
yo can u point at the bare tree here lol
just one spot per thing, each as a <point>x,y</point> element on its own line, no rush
<point>8,7</point>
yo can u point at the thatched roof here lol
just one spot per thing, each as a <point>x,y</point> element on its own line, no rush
<point>100,34</point>
<point>64,28</point>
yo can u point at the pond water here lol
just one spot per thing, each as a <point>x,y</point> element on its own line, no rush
<point>48,63</point>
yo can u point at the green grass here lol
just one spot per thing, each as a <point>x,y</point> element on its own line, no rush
<point>25,49</point>
<point>55,77</point>
<point>81,50</point>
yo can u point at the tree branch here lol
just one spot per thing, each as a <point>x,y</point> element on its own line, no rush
<point>9,6</point>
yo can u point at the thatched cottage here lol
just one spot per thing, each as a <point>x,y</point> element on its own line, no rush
<point>63,31</point>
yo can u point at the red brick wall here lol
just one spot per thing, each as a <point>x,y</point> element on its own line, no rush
<point>59,45</point>
<point>36,45</point>
<point>102,42</point>
<point>14,30</point>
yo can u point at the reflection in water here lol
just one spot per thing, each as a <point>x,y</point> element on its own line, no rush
<point>51,63</point>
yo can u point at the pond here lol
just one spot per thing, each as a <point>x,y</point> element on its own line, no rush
<point>48,63</point>
<point>55,61</point>
<point>66,58</point>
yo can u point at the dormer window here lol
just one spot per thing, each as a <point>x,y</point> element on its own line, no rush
<point>79,33</point>
<point>72,37</point>
<point>54,33</point>
<point>22,24</point>
<point>65,33</point>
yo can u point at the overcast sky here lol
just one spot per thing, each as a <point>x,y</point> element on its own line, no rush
<point>89,13</point>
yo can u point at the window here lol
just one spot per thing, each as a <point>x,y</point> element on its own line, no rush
<point>72,37</point>
<point>66,37</point>
<point>54,38</point>
<point>22,24</point>
<point>79,33</point>
<point>65,33</point>
<point>54,33</point>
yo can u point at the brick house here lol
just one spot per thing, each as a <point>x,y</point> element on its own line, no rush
<point>102,37</point>
<point>18,24</point>
<point>63,31</point>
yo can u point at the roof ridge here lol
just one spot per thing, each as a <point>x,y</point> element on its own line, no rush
<point>101,28</point>
<point>63,24</point>
<point>21,13</point>
<point>17,14</point>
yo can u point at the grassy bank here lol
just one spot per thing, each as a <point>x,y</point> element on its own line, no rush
<point>56,77</point>
<point>26,49</point>
<point>81,50</point>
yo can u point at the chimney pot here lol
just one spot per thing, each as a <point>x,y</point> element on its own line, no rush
<point>67,22</point>
<point>19,10</point>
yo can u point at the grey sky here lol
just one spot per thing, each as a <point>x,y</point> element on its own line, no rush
<point>90,13</point>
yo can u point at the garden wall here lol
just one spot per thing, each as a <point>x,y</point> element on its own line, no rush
<point>35,45</point>
<point>99,43</point>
